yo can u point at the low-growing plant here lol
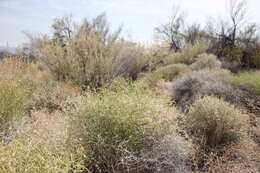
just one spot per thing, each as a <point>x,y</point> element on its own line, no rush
<point>251,80</point>
<point>215,122</point>
<point>206,61</point>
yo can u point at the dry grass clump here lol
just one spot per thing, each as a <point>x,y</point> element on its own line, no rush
<point>215,122</point>
<point>92,55</point>
<point>206,61</point>
<point>187,55</point>
<point>121,117</point>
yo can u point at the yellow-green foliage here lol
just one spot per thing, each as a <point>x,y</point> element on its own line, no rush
<point>250,80</point>
<point>122,117</point>
<point>187,55</point>
<point>12,102</point>
<point>23,156</point>
<point>215,121</point>
<point>172,71</point>
<point>167,73</point>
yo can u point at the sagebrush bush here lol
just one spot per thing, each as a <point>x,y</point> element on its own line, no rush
<point>206,61</point>
<point>187,55</point>
<point>91,56</point>
<point>191,86</point>
<point>121,117</point>
<point>251,80</point>
<point>215,121</point>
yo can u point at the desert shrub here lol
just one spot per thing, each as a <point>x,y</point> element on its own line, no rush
<point>256,59</point>
<point>233,66</point>
<point>167,73</point>
<point>121,117</point>
<point>205,61</point>
<point>20,155</point>
<point>170,72</point>
<point>251,80</point>
<point>202,83</point>
<point>16,86</point>
<point>54,96</point>
<point>12,102</point>
<point>215,121</point>
<point>91,55</point>
<point>234,53</point>
<point>169,155</point>
<point>132,59</point>
<point>187,55</point>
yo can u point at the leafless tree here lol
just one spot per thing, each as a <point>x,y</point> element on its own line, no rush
<point>194,33</point>
<point>237,13</point>
<point>223,33</point>
<point>172,30</point>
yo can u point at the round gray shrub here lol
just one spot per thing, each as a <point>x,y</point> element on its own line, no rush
<point>193,85</point>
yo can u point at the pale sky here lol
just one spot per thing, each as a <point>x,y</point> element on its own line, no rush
<point>139,17</point>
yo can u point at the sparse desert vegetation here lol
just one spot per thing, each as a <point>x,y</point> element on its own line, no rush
<point>86,100</point>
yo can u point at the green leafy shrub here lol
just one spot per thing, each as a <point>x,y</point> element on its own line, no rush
<point>205,61</point>
<point>251,80</point>
<point>215,121</point>
<point>122,117</point>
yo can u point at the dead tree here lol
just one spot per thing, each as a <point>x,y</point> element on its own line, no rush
<point>172,30</point>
